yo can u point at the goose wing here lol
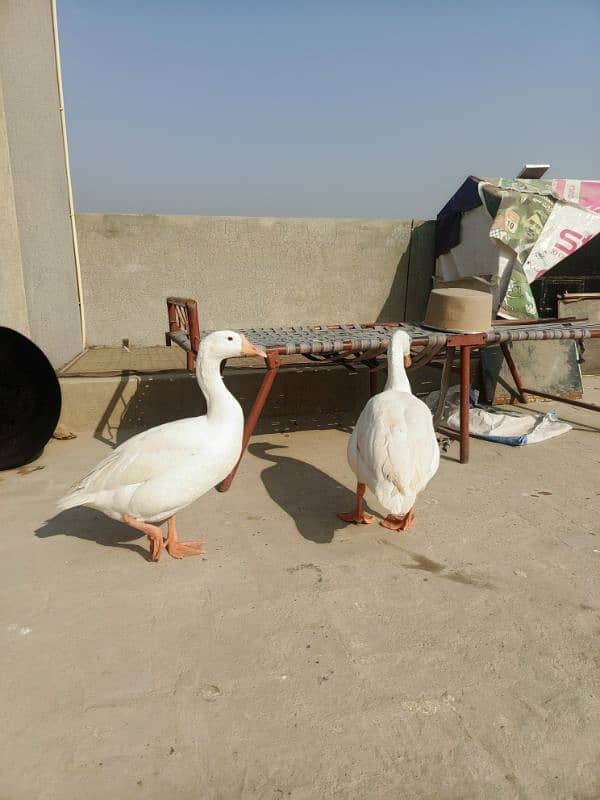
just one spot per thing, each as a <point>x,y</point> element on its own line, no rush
<point>398,445</point>
<point>148,455</point>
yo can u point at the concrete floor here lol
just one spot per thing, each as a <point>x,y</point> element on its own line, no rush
<point>302,658</point>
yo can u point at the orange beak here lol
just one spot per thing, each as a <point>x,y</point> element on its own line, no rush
<point>248,349</point>
<point>407,361</point>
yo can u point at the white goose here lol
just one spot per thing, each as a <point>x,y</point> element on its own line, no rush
<point>153,475</point>
<point>393,449</point>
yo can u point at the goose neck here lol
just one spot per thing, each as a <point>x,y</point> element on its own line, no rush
<point>397,379</point>
<point>218,398</point>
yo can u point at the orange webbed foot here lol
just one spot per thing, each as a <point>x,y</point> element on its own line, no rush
<point>156,546</point>
<point>185,549</point>
<point>393,523</point>
<point>357,519</point>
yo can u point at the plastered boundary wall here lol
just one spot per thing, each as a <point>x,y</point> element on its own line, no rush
<point>248,271</point>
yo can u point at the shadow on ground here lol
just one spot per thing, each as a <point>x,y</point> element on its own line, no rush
<point>307,494</point>
<point>93,526</point>
<point>290,406</point>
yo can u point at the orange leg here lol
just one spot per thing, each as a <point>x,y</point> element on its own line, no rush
<point>153,533</point>
<point>178,549</point>
<point>358,517</point>
<point>394,523</point>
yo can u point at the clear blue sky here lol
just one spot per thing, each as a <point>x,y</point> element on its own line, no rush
<point>322,107</point>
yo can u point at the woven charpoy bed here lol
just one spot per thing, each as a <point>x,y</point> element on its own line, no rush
<point>363,343</point>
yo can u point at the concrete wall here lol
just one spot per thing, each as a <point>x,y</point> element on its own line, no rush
<point>36,244</point>
<point>13,303</point>
<point>243,271</point>
<point>247,271</point>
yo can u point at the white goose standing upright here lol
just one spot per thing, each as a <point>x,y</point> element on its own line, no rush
<point>152,476</point>
<point>393,449</point>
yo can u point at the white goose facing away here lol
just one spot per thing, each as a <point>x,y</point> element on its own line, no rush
<point>393,449</point>
<point>152,476</point>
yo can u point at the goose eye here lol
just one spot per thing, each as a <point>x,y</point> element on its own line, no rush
<point>230,338</point>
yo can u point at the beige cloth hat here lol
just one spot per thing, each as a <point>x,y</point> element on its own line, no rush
<point>459,310</point>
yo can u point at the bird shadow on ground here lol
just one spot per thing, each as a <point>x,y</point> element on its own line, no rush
<point>92,526</point>
<point>306,493</point>
<point>423,564</point>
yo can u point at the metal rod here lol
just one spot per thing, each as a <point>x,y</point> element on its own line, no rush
<point>469,339</point>
<point>579,403</point>
<point>178,301</point>
<point>513,371</point>
<point>442,366</point>
<point>172,312</point>
<point>194,331</point>
<point>65,143</point>
<point>273,363</point>
<point>465,381</point>
<point>445,380</point>
<point>449,432</point>
<point>372,383</point>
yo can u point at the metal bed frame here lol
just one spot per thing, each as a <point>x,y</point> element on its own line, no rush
<point>363,344</point>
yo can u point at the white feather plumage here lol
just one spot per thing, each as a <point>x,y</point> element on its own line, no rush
<point>393,448</point>
<point>162,470</point>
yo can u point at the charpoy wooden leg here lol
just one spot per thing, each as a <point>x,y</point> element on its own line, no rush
<point>273,362</point>
<point>513,371</point>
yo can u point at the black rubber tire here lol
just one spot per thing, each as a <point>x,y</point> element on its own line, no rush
<point>30,400</point>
